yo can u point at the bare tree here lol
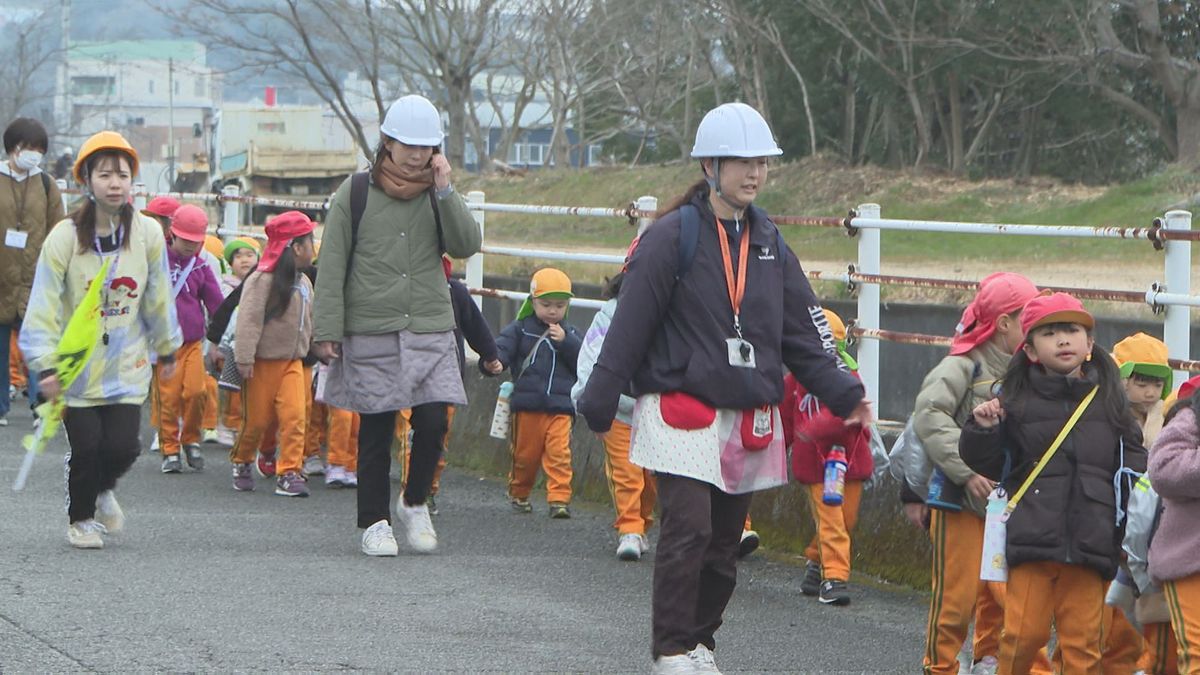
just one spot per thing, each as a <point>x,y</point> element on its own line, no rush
<point>26,61</point>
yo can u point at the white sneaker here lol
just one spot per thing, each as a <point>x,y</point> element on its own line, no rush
<point>335,476</point>
<point>225,437</point>
<point>208,436</point>
<point>154,443</point>
<point>3,420</point>
<point>680,664</point>
<point>631,547</point>
<point>417,526</point>
<point>109,513</point>
<point>86,534</point>
<point>379,540</point>
<point>351,479</point>
<point>986,666</point>
<point>313,466</point>
<point>703,660</point>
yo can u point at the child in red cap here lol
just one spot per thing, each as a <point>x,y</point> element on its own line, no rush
<point>1063,444</point>
<point>273,334</point>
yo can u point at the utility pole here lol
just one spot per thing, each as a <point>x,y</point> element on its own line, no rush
<point>68,121</point>
<point>171,124</point>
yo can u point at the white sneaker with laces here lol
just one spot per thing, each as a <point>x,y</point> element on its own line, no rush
<point>314,466</point>
<point>209,436</point>
<point>378,540</point>
<point>335,476</point>
<point>351,479</point>
<point>680,664</point>
<point>3,420</point>
<point>631,547</point>
<point>86,534</point>
<point>109,513</point>
<point>703,660</point>
<point>986,666</point>
<point>417,526</point>
<point>225,436</point>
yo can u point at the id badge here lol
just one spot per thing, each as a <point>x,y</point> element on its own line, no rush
<point>762,421</point>
<point>15,238</point>
<point>741,353</point>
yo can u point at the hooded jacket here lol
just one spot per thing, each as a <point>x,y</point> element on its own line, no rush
<point>545,386</point>
<point>1175,475</point>
<point>41,211</point>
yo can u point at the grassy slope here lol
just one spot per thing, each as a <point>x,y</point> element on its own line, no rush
<point>823,187</point>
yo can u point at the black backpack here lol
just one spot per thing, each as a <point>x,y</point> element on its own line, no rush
<point>689,235</point>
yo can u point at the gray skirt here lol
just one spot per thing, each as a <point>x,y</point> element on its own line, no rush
<point>395,371</point>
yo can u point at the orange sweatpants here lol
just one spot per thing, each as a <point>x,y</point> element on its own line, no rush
<point>1121,645</point>
<point>16,364</point>
<point>633,488</point>
<point>274,394</point>
<point>545,439</point>
<point>343,439</point>
<point>232,415</point>
<point>1183,597</point>
<point>211,405</point>
<point>180,398</point>
<point>1039,593</point>
<point>1162,650</point>
<point>831,543</point>
<point>404,454</point>
<point>317,416</point>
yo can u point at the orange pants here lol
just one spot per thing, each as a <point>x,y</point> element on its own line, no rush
<point>232,416</point>
<point>1183,597</point>
<point>274,394</point>
<point>831,542</point>
<point>16,364</point>
<point>541,438</point>
<point>1070,596</point>
<point>633,488</point>
<point>180,397</point>
<point>959,595</point>
<point>211,405</point>
<point>1121,645</point>
<point>1162,650</point>
<point>317,416</point>
<point>404,454</point>
<point>343,439</point>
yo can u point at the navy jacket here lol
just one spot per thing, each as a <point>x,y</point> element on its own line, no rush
<point>469,323</point>
<point>669,335</point>
<point>546,385</point>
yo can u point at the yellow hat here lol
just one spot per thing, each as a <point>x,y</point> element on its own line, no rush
<point>1144,354</point>
<point>550,281</point>
<point>836,325</point>
<point>214,246</point>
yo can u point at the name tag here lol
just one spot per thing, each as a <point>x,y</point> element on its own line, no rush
<point>16,238</point>
<point>741,353</point>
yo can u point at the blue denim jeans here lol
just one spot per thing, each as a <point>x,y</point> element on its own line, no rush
<point>5,403</point>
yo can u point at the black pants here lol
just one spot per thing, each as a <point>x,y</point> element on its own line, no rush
<point>695,565</point>
<point>375,434</point>
<point>104,444</point>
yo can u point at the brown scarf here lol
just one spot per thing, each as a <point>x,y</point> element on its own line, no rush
<point>401,183</point>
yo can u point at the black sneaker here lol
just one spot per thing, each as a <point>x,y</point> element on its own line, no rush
<point>811,585</point>
<point>559,511</point>
<point>521,505</point>
<point>834,592</point>
<point>194,459</point>
<point>429,502</point>
<point>172,464</point>
<point>748,544</point>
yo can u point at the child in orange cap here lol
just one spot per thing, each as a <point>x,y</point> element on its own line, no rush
<point>541,352</point>
<point>272,335</point>
<point>195,290</point>
<point>1063,444</point>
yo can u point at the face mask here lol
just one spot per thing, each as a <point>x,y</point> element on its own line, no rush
<point>28,160</point>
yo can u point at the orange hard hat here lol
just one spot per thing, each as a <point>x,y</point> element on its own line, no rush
<point>190,223</point>
<point>105,140</point>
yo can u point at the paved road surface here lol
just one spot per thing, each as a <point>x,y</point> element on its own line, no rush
<point>205,579</point>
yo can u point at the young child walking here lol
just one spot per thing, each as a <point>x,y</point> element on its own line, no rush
<point>274,329</point>
<point>1064,428</point>
<point>814,433</point>
<point>241,257</point>
<point>195,289</point>
<point>986,337</point>
<point>541,352</point>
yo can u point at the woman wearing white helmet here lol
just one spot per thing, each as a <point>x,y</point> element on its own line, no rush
<point>713,307</point>
<point>383,317</point>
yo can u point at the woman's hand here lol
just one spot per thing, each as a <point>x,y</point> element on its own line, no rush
<point>494,366</point>
<point>989,413</point>
<point>441,171</point>
<point>246,370</point>
<point>327,351</point>
<point>50,387</point>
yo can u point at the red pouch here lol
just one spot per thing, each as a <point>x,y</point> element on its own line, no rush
<point>686,412</point>
<point>758,427</point>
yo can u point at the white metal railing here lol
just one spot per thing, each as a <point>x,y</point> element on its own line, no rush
<point>1172,233</point>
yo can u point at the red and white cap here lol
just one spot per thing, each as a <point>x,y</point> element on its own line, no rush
<point>1055,308</point>
<point>282,229</point>
<point>190,222</point>
<point>164,207</point>
<point>999,294</point>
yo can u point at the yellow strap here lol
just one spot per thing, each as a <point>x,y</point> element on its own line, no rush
<point>1062,435</point>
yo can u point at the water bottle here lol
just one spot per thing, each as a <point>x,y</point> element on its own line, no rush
<point>835,476</point>
<point>501,416</point>
<point>944,495</point>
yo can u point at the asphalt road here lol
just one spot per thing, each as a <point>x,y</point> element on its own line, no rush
<point>206,579</point>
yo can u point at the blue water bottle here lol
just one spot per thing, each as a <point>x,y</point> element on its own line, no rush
<point>944,495</point>
<point>835,476</point>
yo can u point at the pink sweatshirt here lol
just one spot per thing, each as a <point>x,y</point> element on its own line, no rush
<point>199,292</point>
<point>1175,475</point>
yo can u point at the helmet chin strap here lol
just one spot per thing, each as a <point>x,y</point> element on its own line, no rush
<point>714,183</point>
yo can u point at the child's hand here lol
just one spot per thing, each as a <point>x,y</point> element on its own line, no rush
<point>557,333</point>
<point>494,366</point>
<point>989,414</point>
<point>980,487</point>
<point>246,370</point>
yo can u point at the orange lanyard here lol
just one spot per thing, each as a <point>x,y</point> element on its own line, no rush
<point>737,289</point>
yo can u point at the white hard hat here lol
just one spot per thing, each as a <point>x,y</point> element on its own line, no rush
<point>413,120</point>
<point>734,130</point>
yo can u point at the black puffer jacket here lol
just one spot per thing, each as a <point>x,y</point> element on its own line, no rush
<point>1068,515</point>
<point>545,386</point>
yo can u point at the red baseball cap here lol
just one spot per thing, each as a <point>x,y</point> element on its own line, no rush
<point>1055,308</point>
<point>164,207</point>
<point>1188,388</point>
<point>282,229</point>
<point>190,222</point>
<point>999,294</point>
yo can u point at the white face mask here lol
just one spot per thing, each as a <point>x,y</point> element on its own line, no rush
<point>28,160</point>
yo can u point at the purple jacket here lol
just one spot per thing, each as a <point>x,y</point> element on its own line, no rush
<point>1175,476</point>
<point>199,292</point>
<point>670,334</point>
